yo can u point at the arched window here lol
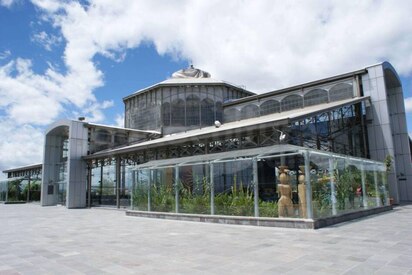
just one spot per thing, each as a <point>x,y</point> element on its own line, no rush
<point>292,102</point>
<point>341,91</point>
<point>269,107</point>
<point>207,111</point>
<point>230,115</point>
<point>178,112</point>
<point>166,114</point>
<point>316,96</point>
<point>192,110</point>
<point>249,111</point>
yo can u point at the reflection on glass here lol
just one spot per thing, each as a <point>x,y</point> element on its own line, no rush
<point>194,189</point>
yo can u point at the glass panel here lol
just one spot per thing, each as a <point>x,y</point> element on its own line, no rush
<point>126,184</point>
<point>219,112</point>
<point>268,196</point>
<point>62,182</point>
<point>194,189</point>
<point>140,198</point>
<point>15,190</point>
<point>269,107</point>
<point>371,192</point>
<point>178,112</point>
<point>162,192</point>
<point>166,114</point>
<point>96,185</point>
<point>193,109</point>
<point>108,185</point>
<point>341,91</point>
<point>249,111</point>
<point>233,188</point>
<point>292,102</point>
<point>314,97</point>
<point>207,112</point>
<point>3,190</point>
<point>321,186</point>
<point>231,114</point>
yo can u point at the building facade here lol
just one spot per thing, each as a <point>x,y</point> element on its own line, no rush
<point>193,138</point>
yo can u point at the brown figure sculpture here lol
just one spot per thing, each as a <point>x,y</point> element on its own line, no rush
<point>285,204</point>
<point>302,192</point>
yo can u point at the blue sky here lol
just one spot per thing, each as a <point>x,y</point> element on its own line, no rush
<point>64,59</point>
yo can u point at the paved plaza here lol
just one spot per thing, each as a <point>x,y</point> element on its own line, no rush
<point>55,240</point>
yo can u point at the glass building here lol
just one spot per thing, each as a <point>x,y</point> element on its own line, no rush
<point>194,145</point>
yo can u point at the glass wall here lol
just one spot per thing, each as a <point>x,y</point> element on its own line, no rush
<point>342,185</point>
<point>194,189</point>
<point>103,184</point>
<point>299,184</point>
<point>20,189</point>
<point>233,188</point>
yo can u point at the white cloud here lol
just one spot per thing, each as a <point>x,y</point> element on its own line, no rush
<point>7,3</point>
<point>5,54</point>
<point>408,104</point>
<point>19,145</point>
<point>119,120</point>
<point>30,101</point>
<point>261,44</point>
<point>96,110</point>
<point>46,40</point>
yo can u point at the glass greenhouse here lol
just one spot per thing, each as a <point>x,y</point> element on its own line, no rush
<point>279,181</point>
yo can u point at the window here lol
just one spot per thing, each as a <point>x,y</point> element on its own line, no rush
<point>207,111</point>
<point>269,107</point>
<point>292,102</point>
<point>341,91</point>
<point>249,111</point>
<point>316,96</point>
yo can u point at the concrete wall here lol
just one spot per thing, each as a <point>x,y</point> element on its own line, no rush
<point>386,123</point>
<point>76,167</point>
<point>53,142</point>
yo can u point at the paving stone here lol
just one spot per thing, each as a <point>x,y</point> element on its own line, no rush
<point>56,240</point>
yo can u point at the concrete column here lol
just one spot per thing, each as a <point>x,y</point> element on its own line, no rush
<point>309,213</point>
<point>255,186</point>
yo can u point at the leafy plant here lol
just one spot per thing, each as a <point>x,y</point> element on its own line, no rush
<point>196,199</point>
<point>388,163</point>
<point>162,198</point>
<point>15,191</point>
<point>268,209</point>
<point>34,190</point>
<point>140,197</point>
<point>238,202</point>
<point>347,182</point>
<point>321,193</point>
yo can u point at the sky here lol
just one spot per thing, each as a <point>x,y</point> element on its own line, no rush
<point>65,59</point>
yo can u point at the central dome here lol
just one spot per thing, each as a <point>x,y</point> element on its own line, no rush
<point>191,72</point>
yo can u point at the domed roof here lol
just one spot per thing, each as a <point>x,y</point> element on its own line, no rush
<point>191,72</point>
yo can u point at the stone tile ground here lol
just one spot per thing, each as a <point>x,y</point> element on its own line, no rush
<point>55,240</point>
